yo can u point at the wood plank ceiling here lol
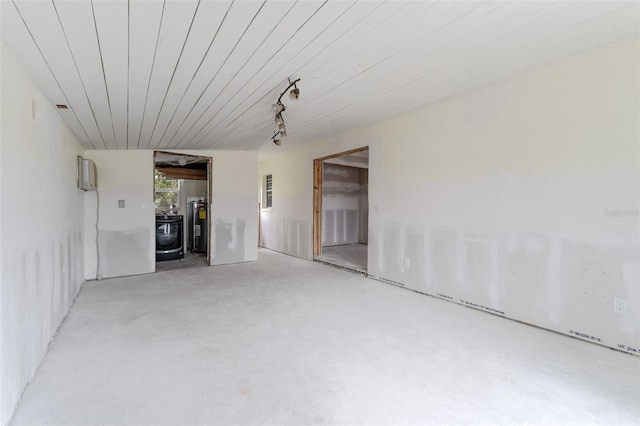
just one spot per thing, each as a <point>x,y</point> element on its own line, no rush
<point>195,74</point>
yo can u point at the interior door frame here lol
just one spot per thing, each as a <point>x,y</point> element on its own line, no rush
<point>209,192</point>
<point>317,197</point>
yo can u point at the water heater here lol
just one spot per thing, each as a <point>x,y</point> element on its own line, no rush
<point>87,175</point>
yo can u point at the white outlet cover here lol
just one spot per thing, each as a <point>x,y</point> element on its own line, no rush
<point>619,305</point>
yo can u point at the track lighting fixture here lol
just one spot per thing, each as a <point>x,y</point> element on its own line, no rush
<point>279,107</point>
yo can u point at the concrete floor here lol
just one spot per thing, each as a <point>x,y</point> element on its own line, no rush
<point>351,256</point>
<point>190,260</point>
<point>287,341</point>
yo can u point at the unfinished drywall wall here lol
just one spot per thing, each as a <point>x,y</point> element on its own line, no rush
<point>41,228</point>
<point>233,206</point>
<point>287,226</point>
<point>127,235</point>
<point>520,199</point>
<point>343,189</point>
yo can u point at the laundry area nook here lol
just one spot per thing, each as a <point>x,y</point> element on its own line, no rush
<point>182,214</point>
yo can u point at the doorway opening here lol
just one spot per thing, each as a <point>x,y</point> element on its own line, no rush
<point>182,194</point>
<point>341,209</point>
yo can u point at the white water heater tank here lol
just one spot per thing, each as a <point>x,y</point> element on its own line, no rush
<point>87,175</point>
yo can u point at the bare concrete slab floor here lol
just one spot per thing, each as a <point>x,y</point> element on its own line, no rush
<point>287,341</point>
<point>190,260</point>
<point>352,256</point>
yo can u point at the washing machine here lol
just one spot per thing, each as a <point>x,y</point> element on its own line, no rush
<point>169,240</point>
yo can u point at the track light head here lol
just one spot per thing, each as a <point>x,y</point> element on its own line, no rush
<point>279,119</point>
<point>282,128</point>
<point>294,94</point>
<point>278,107</point>
<point>275,139</point>
<point>283,133</point>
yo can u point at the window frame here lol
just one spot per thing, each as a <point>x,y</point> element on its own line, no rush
<point>267,192</point>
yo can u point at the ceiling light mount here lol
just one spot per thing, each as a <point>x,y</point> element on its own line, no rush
<point>279,108</point>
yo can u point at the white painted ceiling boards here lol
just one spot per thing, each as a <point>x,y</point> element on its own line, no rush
<point>203,74</point>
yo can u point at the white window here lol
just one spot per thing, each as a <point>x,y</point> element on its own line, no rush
<point>267,191</point>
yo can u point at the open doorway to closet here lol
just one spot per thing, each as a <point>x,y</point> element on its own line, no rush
<point>182,188</point>
<point>341,209</point>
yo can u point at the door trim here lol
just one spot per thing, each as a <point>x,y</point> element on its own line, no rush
<point>317,197</point>
<point>209,192</point>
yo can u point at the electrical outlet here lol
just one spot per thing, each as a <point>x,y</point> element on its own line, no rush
<point>143,206</point>
<point>121,204</point>
<point>619,305</point>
